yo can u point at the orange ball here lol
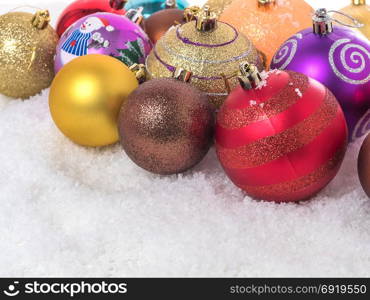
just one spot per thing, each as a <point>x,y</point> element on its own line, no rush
<point>268,23</point>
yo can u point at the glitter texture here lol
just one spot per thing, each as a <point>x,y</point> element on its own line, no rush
<point>278,103</point>
<point>269,25</point>
<point>341,61</point>
<point>166,126</point>
<point>210,56</point>
<point>295,188</point>
<point>361,55</point>
<point>290,140</point>
<point>298,140</point>
<point>26,56</point>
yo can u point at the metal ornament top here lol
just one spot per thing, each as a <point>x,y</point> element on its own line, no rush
<point>41,19</point>
<point>249,77</point>
<point>358,2</point>
<point>206,20</point>
<point>323,22</point>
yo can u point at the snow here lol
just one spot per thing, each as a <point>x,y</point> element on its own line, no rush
<point>264,75</point>
<point>298,92</point>
<point>73,211</point>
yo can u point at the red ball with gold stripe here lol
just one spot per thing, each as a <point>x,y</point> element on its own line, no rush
<point>280,136</point>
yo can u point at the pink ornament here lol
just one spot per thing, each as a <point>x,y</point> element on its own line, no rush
<point>103,33</point>
<point>282,138</point>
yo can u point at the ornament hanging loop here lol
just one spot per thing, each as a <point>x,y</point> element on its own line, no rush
<point>41,19</point>
<point>323,22</point>
<point>182,75</point>
<point>249,77</point>
<point>356,23</point>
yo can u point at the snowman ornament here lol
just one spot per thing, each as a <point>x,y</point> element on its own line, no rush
<point>78,43</point>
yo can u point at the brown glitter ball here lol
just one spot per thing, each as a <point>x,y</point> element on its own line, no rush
<point>26,55</point>
<point>166,126</point>
<point>363,165</point>
<point>159,22</point>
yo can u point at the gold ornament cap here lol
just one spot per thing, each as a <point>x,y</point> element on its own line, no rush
<point>140,72</point>
<point>323,22</point>
<point>41,19</point>
<point>206,20</point>
<point>249,77</point>
<point>117,4</point>
<point>182,75</point>
<point>265,2</point>
<point>135,15</point>
<point>191,13</point>
<point>358,2</point>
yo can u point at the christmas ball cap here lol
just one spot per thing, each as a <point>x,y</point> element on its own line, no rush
<point>191,12</point>
<point>135,15</point>
<point>265,2</point>
<point>249,77</point>
<point>170,4</point>
<point>182,75</point>
<point>323,22</point>
<point>140,72</point>
<point>41,19</point>
<point>359,2</point>
<point>117,4</point>
<point>206,20</point>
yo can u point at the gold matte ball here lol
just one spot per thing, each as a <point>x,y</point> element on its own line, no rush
<point>26,55</point>
<point>361,12</point>
<point>86,96</point>
<point>211,56</point>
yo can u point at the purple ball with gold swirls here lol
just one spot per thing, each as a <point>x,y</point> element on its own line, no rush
<point>103,33</point>
<point>341,61</point>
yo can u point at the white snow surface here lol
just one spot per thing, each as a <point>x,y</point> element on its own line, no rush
<point>67,210</point>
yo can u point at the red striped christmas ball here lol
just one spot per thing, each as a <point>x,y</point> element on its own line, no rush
<point>282,141</point>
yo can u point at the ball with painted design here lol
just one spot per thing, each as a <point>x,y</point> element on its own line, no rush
<point>341,61</point>
<point>103,33</point>
<point>283,141</point>
<point>211,56</point>
<point>82,8</point>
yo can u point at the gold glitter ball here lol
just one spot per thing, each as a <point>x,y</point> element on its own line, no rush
<point>27,49</point>
<point>212,56</point>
